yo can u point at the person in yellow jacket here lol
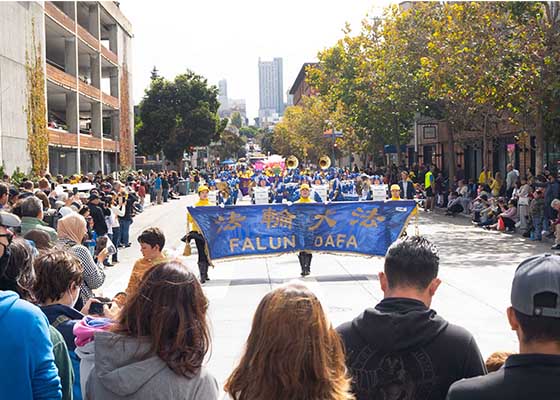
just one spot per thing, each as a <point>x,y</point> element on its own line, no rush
<point>305,257</point>
<point>196,234</point>
<point>395,192</point>
<point>485,177</point>
<point>496,184</point>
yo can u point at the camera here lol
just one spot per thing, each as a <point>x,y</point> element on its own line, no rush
<point>96,308</point>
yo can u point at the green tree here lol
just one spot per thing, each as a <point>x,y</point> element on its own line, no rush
<point>301,131</point>
<point>178,114</point>
<point>231,145</point>
<point>248,131</point>
<point>266,140</point>
<point>236,120</point>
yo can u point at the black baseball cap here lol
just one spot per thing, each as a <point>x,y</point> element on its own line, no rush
<point>536,275</point>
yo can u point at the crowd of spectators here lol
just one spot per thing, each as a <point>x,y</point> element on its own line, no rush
<point>522,202</point>
<point>151,341</point>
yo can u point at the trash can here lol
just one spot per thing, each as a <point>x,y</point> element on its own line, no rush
<point>182,187</point>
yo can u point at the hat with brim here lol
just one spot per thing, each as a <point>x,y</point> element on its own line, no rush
<point>9,220</point>
<point>203,188</point>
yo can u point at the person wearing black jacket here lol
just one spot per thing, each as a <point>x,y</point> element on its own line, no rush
<point>126,220</point>
<point>98,214</point>
<point>401,349</point>
<point>535,316</point>
<point>406,186</point>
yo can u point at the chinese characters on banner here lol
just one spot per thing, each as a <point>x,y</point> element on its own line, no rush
<point>367,228</point>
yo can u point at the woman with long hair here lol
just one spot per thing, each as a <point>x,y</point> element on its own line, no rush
<point>292,352</point>
<point>157,346</point>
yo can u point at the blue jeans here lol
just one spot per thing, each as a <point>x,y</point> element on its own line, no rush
<point>125,228</point>
<point>165,194</point>
<point>538,227</point>
<point>116,239</point>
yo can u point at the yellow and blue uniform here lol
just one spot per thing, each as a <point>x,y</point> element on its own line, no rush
<point>196,234</point>
<point>305,257</point>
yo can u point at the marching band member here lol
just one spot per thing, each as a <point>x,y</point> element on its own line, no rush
<point>366,189</point>
<point>196,234</point>
<point>304,257</point>
<point>395,192</point>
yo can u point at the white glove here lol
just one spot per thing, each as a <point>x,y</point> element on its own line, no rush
<point>222,205</point>
<point>289,203</point>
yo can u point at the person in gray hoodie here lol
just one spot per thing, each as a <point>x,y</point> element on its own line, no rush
<point>157,347</point>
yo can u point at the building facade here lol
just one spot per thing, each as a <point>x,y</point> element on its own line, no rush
<point>86,51</point>
<point>300,87</point>
<point>223,96</point>
<point>271,88</point>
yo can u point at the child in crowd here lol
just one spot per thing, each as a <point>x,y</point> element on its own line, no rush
<point>536,212</point>
<point>496,360</point>
<point>151,242</point>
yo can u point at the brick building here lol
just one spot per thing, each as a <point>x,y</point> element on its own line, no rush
<point>86,50</point>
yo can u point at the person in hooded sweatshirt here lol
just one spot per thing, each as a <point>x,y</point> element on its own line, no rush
<point>27,365</point>
<point>401,349</point>
<point>59,275</point>
<point>157,346</point>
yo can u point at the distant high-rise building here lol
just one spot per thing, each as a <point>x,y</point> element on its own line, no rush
<point>271,88</point>
<point>222,95</point>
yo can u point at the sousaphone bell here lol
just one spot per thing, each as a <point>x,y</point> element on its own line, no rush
<point>325,162</point>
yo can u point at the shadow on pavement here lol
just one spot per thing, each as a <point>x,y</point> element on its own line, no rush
<point>462,245</point>
<point>280,281</point>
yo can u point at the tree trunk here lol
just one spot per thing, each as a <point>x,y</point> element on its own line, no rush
<point>397,140</point>
<point>486,156</point>
<point>539,142</point>
<point>450,152</point>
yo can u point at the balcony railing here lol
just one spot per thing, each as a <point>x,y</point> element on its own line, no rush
<point>109,55</point>
<point>61,78</point>
<point>89,90</point>
<point>59,16</point>
<point>62,138</point>
<point>110,145</point>
<point>110,100</point>
<point>88,38</point>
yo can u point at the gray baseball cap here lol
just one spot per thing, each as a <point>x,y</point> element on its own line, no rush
<point>9,220</point>
<point>537,274</point>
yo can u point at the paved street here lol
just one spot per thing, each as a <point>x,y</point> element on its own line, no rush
<point>476,269</point>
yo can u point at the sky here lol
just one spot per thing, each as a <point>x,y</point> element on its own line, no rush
<point>223,39</point>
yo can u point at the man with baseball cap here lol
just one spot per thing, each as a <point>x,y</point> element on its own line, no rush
<point>535,316</point>
<point>303,256</point>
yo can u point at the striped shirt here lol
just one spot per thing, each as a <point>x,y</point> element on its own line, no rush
<point>94,274</point>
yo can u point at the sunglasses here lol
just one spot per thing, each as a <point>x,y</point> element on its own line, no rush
<point>8,236</point>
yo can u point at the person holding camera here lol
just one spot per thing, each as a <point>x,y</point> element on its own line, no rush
<point>72,232</point>
<point>117,208</point>
<point>57,289</point>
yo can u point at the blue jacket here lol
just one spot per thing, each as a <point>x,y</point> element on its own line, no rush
<point>27,369</point>
<point>63,318</point>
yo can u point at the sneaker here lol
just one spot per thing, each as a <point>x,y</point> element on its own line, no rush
<point>555,247</point>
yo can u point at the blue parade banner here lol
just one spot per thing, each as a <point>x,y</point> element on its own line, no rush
<point>366,228</point>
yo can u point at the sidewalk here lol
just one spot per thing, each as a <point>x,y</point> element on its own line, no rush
<point>464,219</point>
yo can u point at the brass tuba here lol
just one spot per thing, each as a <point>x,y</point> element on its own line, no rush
<point>292,162</point>
<point>223,187</point>
<point>325,162</point>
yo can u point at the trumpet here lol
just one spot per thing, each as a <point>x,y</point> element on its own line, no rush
<point>325,162</point>
<point>292,162</point>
